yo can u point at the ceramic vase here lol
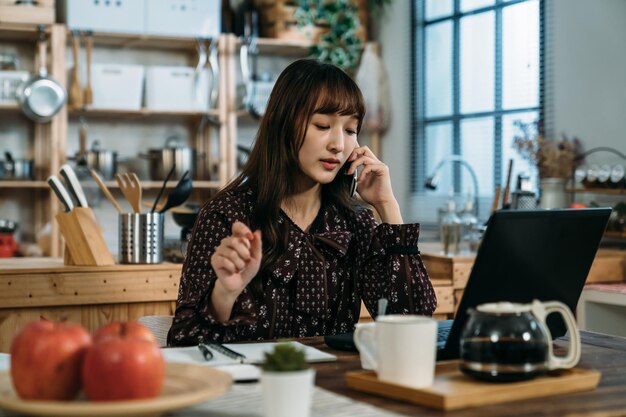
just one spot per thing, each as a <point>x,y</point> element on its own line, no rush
<point>553,194</point>
<point>287,394</point>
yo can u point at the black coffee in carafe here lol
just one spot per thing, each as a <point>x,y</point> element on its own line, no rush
<point>505,360</point>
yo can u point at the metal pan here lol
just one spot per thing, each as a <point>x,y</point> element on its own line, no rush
<point>41,97</point>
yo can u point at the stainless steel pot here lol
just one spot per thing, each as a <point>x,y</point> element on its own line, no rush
<point>102,160</point>
<point>41,97</point>
<point>162,160</point>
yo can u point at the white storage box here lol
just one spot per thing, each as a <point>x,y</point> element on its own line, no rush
<point>198,18</point>
<point>117,86</point>
<point>9,83</point>
<point>127,16</point>
<point>176,88</point>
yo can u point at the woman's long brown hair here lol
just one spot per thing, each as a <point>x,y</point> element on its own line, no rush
<point>304,88</point>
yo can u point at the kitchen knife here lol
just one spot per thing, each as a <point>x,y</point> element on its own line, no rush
<point>60,191</point>
<point>73,185</point>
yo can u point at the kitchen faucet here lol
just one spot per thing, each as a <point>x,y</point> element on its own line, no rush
<point>431,182</point>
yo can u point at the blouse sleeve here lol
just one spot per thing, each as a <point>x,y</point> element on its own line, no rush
<point>390,266</point>
<point>193,318</point>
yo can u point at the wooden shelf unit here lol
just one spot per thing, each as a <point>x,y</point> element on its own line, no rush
<point>142,113</point>
<point>20,32</point>
<point>141,41</point>
<point>23,184</point>
<point>50,140</point>
<point>612,191</point>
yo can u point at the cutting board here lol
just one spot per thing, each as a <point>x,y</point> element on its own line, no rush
<point>452,390</point>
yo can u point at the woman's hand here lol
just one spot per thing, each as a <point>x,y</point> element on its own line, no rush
<point>374,184</point>
<point>236,261</point>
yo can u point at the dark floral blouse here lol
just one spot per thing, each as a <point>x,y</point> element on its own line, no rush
<point>315,288</point>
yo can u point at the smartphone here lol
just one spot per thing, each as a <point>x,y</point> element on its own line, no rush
<point>355,177</point>
<point>352,178</point>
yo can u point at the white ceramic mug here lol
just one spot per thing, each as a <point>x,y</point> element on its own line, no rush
<point>365,364</point>
<point>402,349</point>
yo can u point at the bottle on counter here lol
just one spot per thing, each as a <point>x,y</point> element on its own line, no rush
<point>450,230</point>
<point>469,226</point>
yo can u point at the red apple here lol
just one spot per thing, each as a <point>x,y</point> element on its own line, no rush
<point>123,366</point>
<point>121,328</point>
<point>577,205</point>
<point>46,360</point>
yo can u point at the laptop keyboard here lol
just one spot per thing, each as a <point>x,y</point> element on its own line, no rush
<point>443,331</point>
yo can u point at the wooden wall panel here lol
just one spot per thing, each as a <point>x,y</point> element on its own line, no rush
<point>90,316</point>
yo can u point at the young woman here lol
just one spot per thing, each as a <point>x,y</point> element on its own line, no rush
<point>285,250</point>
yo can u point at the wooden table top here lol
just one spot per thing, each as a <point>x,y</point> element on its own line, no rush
<point>606,354</point>
<point>44,266</point>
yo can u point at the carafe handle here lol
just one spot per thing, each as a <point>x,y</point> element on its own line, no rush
<point>541,310</point>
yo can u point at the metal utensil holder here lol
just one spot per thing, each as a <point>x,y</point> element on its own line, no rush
<point>141,238</point>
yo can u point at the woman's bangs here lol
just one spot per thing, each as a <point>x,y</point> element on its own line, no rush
<point>341,99</point>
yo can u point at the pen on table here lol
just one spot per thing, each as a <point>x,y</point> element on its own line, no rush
<point>382,306</point>
<point>228,352</point>
<point>206,352</point>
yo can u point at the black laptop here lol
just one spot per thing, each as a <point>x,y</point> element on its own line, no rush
<point>526,255</point>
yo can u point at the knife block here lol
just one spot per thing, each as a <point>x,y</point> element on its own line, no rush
<point>84,243</point>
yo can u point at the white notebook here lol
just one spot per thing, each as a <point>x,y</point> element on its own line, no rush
<point>253,353</point>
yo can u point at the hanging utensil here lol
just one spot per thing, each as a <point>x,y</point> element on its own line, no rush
<point>158,197</point>
<point>215,72</point>
<point>41,97</point>
<point>76,91</point>
<point>248,55</point>
<point>105,191</point>
<point>179,194</point>
<point>88,94</point>
<point>202,60</point>
<point>82,143</point>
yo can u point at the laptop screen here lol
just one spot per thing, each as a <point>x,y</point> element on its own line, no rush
<point>526,255</point>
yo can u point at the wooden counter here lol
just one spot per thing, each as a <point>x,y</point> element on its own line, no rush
<point>90,295</point>
<point>449,274</point>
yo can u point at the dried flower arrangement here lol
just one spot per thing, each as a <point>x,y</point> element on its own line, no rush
<point>553,158</point>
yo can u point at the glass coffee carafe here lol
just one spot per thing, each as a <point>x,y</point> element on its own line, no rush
<point>511,342</point>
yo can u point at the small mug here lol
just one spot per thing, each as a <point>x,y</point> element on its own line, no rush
<point>400,348</point>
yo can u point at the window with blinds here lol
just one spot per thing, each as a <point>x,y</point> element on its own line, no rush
<point>477,70</point>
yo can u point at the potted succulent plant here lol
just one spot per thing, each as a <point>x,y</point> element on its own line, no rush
<point>287,382</point>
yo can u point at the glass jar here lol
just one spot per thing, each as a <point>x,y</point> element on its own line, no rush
<point>450,230</point>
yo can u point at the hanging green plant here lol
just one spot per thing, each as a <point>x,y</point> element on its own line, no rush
<point>339,44</point>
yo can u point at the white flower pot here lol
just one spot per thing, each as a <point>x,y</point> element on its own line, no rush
<point>287,394</point>
<point>553,193</point>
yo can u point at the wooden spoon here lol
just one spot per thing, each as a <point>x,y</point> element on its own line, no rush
<point>106,191</point>
<point>88,90</point>
<point>76,92</point>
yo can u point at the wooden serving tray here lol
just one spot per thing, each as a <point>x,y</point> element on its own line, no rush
<point>452,390</point>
